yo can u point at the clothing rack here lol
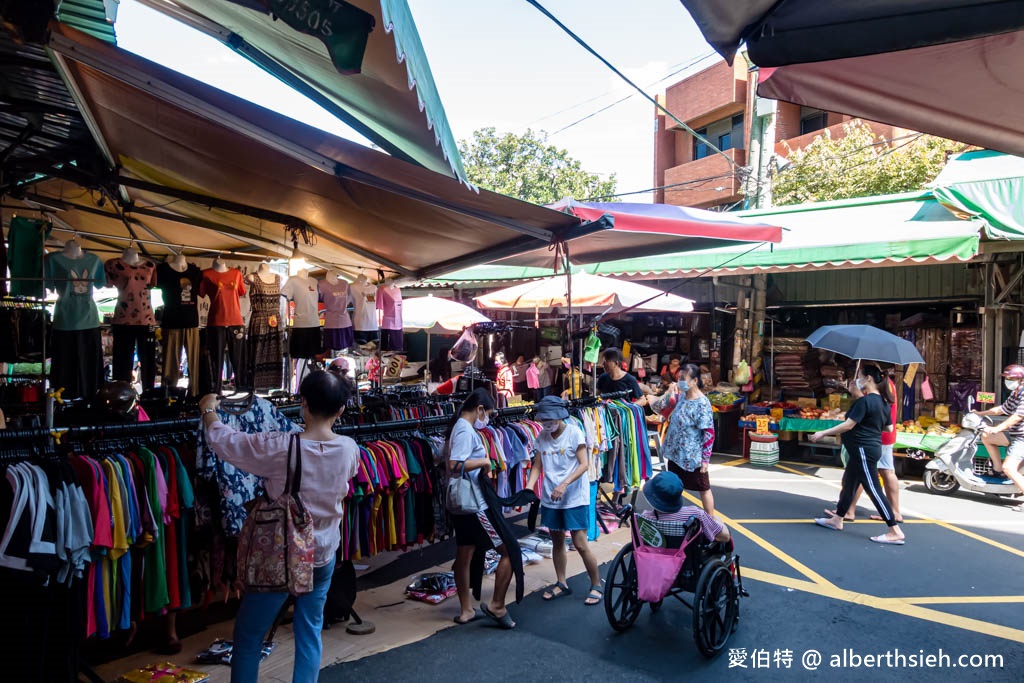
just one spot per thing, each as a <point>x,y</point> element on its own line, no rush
<point>103,431</point>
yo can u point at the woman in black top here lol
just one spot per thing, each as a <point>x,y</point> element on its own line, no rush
<point>862,431</point>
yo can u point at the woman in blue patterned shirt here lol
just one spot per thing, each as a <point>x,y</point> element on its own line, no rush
<point>691,432</point>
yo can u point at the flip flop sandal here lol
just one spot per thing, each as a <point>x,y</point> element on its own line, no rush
<point>888,541</point>
<point>504,621</point>
<point>845,519</point>
<point>821,521</point>
<point>477,614</point>
<point>876,518</point>
<point>550,594</point>
<point>596,601</point>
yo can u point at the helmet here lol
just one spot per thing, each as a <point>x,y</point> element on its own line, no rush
<point>1014,372</point>
<point>117,399</point>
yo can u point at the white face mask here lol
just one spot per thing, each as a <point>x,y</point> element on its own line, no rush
<point>860,384</point>
<point>550,426</point>
<point>480,424</point>
<point>1011,384</point>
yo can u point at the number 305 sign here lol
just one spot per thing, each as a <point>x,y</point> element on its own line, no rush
<point>342,27</point>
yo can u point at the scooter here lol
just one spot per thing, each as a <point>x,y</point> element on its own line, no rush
<point>953,464</point>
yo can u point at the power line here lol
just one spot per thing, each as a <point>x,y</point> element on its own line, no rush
<point>623,76</point>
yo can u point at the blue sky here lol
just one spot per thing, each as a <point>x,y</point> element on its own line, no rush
<point>497,63</point>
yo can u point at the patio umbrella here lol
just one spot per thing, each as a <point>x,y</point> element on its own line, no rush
<point>590,294</point>
<point>864,342</point>
<point>438,316</point>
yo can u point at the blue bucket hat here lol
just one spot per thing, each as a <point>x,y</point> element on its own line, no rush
<point>665,492</point>
<point>550,408</point>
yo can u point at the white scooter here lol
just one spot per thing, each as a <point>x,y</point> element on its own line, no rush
<point>953,464</point>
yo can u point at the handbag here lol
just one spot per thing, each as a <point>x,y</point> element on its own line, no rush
<point>656,568</point>
<point>275,548</point>
<point>462,497</point>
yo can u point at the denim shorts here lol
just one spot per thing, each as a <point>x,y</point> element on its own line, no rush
<point>886,462</point>
<point>566,519</point>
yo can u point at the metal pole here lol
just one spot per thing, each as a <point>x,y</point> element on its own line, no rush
<point>569,325</point>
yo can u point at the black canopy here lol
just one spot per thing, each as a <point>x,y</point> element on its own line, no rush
<point>781,32</point>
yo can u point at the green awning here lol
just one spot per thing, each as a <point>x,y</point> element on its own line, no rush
<point>95,17</point>
<point>393,101</point>
<point>849,233</point>
<point>987,185</point>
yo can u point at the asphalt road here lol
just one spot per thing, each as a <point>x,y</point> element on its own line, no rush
<point>952,590</point>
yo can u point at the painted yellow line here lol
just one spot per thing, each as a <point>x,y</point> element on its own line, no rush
<point>979,537</point>
<point>896,605</point>
<point>964,600</point>
<point>789,560</point>
<point>740,461</point>
<point>808,520</point>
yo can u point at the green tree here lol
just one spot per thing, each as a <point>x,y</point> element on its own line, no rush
<point>525,167</point>
<point>860,164</point>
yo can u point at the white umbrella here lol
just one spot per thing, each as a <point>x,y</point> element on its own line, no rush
<point>590,294</point>
<point>438,316</point>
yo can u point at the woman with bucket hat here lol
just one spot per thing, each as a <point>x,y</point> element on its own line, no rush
<point>560,456</point>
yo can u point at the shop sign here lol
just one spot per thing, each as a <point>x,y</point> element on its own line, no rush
<point>986,397</point>
<point>342,27</point>
<point>762,424</point>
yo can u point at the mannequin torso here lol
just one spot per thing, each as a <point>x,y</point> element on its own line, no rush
<point>72,250</point>
<point>130,256</point>
<point>178,263</point>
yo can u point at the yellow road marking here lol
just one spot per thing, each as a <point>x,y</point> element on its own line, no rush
<point>979,537</point>
<point>788,559</point>
<point>964,600</point>
<point>740,461</point>
<point>808,520</point>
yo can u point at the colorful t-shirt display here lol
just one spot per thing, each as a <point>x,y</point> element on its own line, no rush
<point>224,290</point>
<point>389,303</point>
<point>74,280</point>
<point>181,293</point>
<point>364,298</point>
<point>134,304</point>
<point>335,297</point>
<point>303,291</point>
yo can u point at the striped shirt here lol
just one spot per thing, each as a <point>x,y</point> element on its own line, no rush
<point>1014,405</point>
<point>653,526</point>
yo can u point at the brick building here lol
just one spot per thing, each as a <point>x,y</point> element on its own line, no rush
<point>718,104</point>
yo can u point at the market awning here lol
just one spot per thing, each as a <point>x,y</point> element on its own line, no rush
<point>986,185</point>
<point>849,233</point>
<point>778,33</point>
<point>241,174</point>
<point>590,294</point>
<point>968,91</point>
<point>393,100</point>
<point>650,229</point>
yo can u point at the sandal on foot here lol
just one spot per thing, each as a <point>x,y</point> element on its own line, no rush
<point>845,519</point>
<point>591,600</point>
<point>1017,508</point>
<point>504,621</point>
<point>885,540</point>
<point>878,518</point>
<point>477,614</point>
<point>821,521</point>
<point>551,594</point>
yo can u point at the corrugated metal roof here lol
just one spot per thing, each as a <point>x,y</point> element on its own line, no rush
<point>95,17</point>
<point>39,121</point>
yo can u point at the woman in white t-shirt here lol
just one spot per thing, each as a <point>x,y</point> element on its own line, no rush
<point>474,530</point>
<point>561,457</point>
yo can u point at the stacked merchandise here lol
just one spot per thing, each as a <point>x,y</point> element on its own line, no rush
<point>797,369</point>
<point>964,367</point>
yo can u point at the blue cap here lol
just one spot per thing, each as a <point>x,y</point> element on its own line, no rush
<point>665,492</point>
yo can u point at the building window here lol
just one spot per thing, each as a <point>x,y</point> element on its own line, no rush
<point>726,134</point>
<point>812,119</point>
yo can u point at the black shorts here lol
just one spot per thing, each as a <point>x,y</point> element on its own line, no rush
<point>475,530</point>
<point>305,342</point>
<point>692,481</point>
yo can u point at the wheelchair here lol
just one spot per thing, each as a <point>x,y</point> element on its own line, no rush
<point>709,582</point>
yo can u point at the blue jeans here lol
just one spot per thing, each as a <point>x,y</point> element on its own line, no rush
<point>256,616</point>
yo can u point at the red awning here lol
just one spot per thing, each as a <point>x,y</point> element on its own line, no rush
<point>648,229</point>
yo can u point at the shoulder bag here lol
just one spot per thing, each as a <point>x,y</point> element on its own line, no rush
<point>462,496</point>
<point>275,549</point>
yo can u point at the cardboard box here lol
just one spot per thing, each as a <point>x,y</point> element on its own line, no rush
<point>807,403</point>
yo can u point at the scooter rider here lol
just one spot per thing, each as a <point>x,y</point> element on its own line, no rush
<point>1010,432</point>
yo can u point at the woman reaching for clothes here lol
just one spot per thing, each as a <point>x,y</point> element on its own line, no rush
<point>862,431</point>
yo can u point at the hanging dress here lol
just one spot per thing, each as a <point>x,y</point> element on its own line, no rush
<point>265,346</point>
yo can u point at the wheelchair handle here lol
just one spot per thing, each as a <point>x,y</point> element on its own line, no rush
<point>625,511</point>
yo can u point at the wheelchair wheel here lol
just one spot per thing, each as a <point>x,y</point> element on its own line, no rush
<point>621,603</point>
<point>716,608</point>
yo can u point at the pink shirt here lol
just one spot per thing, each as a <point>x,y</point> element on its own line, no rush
<point>389,303</point>
<point>134,304</point>
<point>327,468</point>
